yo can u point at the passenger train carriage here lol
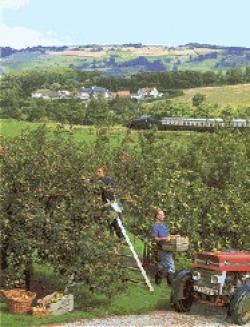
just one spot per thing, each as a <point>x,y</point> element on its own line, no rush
<point>181,123</point>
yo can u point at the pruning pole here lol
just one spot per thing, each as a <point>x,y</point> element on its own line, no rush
<point>143,272</point>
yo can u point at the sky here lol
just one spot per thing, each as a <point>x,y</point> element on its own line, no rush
<point>170,22</point>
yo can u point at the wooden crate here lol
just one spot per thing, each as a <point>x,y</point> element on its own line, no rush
<point>40,312</point>
<point>177,243</point>
<point>66,304</point>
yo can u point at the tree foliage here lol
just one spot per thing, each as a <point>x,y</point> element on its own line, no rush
<point>198,99</point>
<point>201,183</point>
<point>51,215</point>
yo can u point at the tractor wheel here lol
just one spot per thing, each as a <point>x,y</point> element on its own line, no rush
<point>182,291</point>
<point>240,305</point>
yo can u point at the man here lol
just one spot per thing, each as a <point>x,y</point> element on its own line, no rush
<point>159,233</point>
<point>104,182</point>
<point>107,194</point>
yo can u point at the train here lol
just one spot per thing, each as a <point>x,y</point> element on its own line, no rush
<point>181,123</point>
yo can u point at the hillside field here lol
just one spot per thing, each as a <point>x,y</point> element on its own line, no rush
<point>235,95</point>
<point>121,60</point>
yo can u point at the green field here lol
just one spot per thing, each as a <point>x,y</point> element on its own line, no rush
<point>12,128</point>
<point>21,62</point>
<point>235,95</point>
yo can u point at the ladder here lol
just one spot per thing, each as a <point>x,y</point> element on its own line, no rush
<point>116,207</point>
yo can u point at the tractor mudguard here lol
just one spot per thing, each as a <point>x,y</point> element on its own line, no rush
<point>178,284</point>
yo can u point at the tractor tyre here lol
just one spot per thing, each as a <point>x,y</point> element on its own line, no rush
<point>240,305</point>
<point>182,291</point>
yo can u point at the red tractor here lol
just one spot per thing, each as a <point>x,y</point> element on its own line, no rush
<point>218,278</point>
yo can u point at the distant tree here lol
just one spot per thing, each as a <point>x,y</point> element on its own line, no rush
<point>97,111</point>
<point>234,76</point>
<point>198,99</point>
<point>227,113</point>
<point>55,86</point>
<point>247,74</point>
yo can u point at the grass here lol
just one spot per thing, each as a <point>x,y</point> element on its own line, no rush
<point>235,95</point>
<point>13,128</point>
<point>122,56</point>
<point>205,65</point>
<point>21,62</point>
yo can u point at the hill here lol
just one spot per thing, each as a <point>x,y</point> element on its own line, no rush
<point>126,59</point>
<point>235,95</point>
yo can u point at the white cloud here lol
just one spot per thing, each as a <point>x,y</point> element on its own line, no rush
<point>13,4</point>
<point>19,36</point>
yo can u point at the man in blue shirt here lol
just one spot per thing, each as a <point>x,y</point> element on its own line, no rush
<point>159,233</point>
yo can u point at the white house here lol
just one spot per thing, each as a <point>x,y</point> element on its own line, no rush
<point>44,94</point>
<point>153,92</point>
<point>148,92</point>
<point>100,92</point>
<point>137,97</point>
<point>84,94</point>
<point>94,92</point>
<point>64,94</point>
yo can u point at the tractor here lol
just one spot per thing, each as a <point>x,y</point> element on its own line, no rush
<point>217,278</point>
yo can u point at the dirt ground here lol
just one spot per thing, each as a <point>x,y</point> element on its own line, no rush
<point>200,316</point>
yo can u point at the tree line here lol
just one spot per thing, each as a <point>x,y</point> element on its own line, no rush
<point>16,101</point>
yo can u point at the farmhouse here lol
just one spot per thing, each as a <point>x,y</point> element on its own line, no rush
<point>147,92</point>
<point>64,94</point>
<point>151,92</point>
<point>94,92</point>
<point>100,92</point>
<point>45,94</point>
<point>84,94</point>
<point>122,94</point>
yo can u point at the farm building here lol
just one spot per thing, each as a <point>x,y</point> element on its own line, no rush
<point>122,94</point>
